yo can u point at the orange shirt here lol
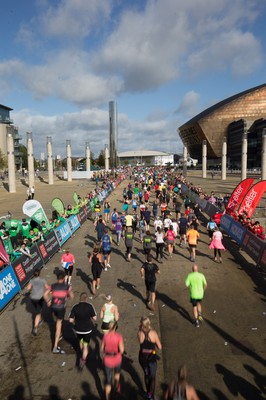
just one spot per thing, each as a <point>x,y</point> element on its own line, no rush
<point>192,236</point>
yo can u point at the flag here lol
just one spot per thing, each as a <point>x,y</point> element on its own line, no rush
<point>238,195</point>
<point>3,254</point>
<point>34,210</point>
<point>58,205</point>
<point>76,198</point>
<point>252,198</point>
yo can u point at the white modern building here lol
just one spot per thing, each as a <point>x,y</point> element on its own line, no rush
<point>145,157</point>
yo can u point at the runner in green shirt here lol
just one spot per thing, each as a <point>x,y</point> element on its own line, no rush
<point>197,284</point>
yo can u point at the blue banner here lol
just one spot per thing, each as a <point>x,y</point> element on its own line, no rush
<point>63,232</point>
<point>73,223</point>
<point>237,232</point>
<point>9,286</point>
<point>226,222</point>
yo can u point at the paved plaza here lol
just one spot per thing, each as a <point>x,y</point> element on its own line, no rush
<point>225,356</point>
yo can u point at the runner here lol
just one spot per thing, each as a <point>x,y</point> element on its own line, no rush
<point>109,313</point>
<point>217,244</point>
<point>37,287</point>
<point>180,389</point>
<point>148,272</point>
<point>113,348</point>
<point>170,237</point>
<point>149,343</point>
<point>147,242</point>
<point>96,268</point>
<point>159,239</point>
<point>114,218</point>
<point>197,284</point>
<point>106,249</point>
<point>118,230</point>
<point>82,316</point>
<point>60,291</point>
<point>68,261</point>
<point>192,238</point>
<point>106,210</point>
<point>129,242</point>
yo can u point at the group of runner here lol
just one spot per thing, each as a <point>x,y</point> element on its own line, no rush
<point>163,209</point>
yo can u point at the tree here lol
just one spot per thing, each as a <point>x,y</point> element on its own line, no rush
<point>24,155</point>
<point>3,161</point>
<point>101,159</point>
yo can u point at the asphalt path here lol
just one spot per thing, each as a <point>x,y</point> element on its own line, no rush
<point>225,356</point>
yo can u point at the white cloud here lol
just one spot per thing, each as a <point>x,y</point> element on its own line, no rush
<point>93,126</point>
<point>189,105</point>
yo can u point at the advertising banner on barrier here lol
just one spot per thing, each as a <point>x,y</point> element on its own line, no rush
<point>184,188</point>
<point>210,209</point>
<point>253,245</point>
<point>73,223</point>
<point>202,203</point>
<point>82,215</point>
<point>237,232</point>
<point>25,266</point>
<point>49,247</point>
<point>226,222</point>
<point>63,232</point>
<point>9,286</point>
<point>262,259</point>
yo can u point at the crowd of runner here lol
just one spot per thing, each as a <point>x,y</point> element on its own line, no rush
<point>156,213</point>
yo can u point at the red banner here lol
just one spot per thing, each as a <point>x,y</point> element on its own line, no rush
<point>3,254</point>
<point>252,198</point>
<point>238,195</point>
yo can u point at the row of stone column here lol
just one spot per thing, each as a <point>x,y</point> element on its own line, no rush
<point>224,157</point>
<point>30,155</point>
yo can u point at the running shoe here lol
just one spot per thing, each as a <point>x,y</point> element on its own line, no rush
<point>105,268</point>
<point>108,265</point>
<point>58,350</point>
<point>34,331</point>
<point>197,324</point>
<point>200,317</point>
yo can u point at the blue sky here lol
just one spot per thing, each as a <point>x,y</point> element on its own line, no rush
<point>162,61</point>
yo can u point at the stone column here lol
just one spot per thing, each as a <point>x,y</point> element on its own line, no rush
<point>185,161</point>
<point>106,158</point>
<point>11,163</point>
<point>31,171</point>
<point>204,159</point>
<point>224,157</point>
<point>69,161</point>
<point>88,157</point>
<point>244,155</point>
<point>263,155</point>
<point>50,161</point>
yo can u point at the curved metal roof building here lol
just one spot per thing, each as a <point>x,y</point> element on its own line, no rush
<point>211,125</point>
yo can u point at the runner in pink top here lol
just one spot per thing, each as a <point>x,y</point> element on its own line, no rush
<point>68,261</point>
<point>113,347</point>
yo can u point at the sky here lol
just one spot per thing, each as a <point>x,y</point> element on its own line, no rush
<point>162,61</point>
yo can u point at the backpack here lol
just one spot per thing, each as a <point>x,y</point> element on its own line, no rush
<point>114,217</point>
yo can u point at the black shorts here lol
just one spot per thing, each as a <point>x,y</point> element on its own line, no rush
<point>150,286</point>
<point>182,231</point>
<point>195,301</point>
<point>110,371</point>
<point>84,337</point>
<point>96,272</point>
<point>69,270</point>
<point>37,304</point>
<point>192,246</point>
<point>59,313</point>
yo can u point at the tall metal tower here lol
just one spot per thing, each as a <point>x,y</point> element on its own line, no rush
<point>113,134</point>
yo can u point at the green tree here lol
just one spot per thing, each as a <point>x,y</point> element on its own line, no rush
<point>24,155</point>
<point>101,159</point>
<point>3,161</point>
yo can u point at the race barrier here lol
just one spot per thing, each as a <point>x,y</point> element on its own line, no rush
<point>15,276</point>
<point>250,243</point>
